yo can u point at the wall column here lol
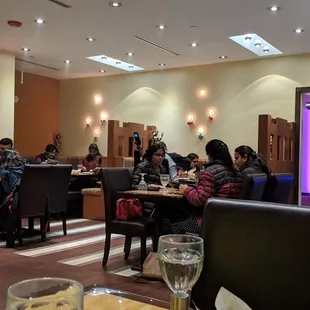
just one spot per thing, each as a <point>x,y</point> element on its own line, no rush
<point>7,80</point>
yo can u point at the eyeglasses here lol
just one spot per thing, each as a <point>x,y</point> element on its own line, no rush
<point>159,155</point>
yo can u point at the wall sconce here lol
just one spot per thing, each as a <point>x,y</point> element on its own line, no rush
<point>98,99</point>
<point>201,131</point>
<point>104,117</point>
<point>211,113</point>
<point>88,121</point>
<point>97,133</point>
<point>202,92</point>
<point>190,119</point>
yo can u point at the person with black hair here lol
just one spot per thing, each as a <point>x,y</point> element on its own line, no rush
<point>92,162</point>
<point>49,156</point>
<point>249,162</point>
<point>194,158</point>
<point>152,166</point>
<point>6,144</point>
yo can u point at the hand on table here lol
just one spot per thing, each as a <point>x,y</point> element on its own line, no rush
<point>96,170</point>
<point>182,188</point>
<point>84,169</point>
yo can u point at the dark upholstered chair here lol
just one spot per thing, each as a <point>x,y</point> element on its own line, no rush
<point>59,178</point>
<point>258,251</point>
<point>278,187</point>
<point>32,198</point>
<point>114,180</point>
<point>253,187</point>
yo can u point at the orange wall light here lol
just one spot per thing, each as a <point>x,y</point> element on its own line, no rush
<point>190,119</point>
<point>201,130</point>
<point>202,92</point>
<point>104,117</point>
<point>97,133</point>
<point>88,121</point>
<point>98,99</point>
<point>211,113</point>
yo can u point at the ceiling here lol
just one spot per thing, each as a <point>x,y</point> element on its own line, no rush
<point>64,34</point>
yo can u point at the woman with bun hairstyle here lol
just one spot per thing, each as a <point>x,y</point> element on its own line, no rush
<point>151,165</point>
<point>249,162</point>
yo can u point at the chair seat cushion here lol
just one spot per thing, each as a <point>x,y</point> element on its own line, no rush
<point>134,227</point>
<point>95,191</point>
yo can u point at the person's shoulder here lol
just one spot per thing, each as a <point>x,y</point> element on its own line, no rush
<point>143,164</point>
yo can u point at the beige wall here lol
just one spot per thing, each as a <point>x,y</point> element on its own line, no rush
<point>7,78</point>
<point>239,91</point>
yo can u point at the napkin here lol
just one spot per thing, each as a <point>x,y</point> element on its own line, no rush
<point>225,300</point>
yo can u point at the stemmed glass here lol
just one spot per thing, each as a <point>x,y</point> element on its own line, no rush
<point>164,179</point>
<point>45,293</point>
<point>142,186</point>
<point>180,260</point>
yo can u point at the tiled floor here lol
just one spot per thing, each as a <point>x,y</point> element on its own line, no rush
<point>77,256</point>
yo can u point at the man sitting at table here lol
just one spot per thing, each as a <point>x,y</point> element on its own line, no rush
<point>6,144</point>
<point>49,156</point>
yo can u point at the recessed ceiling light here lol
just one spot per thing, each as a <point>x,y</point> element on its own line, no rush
<point>274,8</point>
<point>162,65</point>
<point>129,54</point>
<point>115,4</point>
<point>248,37</point>
<point>266,49</point>
<point>130,67</point>
<point>26,49</point>
<point>39,21</point>
<point>193,26</point>
<point>67,61</point>
<point>194,44</point>
<point>103,57</point>
<point>90,39</point>
<point>118,63</point>
<point>162,27</point>
<point>299,30</point>
<point>102,71</point>
<point>257,43</point>
<point>223,57</point>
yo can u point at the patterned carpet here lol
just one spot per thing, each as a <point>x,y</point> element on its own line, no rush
<point>83,246</point>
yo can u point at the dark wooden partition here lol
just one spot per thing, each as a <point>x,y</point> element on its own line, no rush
<point>276,142</point>
<point>121,142</point>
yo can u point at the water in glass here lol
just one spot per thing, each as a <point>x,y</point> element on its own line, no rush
<point>164,179</point>
<point>142,186</point>
<point>45,294</point>
<point>181,261</point>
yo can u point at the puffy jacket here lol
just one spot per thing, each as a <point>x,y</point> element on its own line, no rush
<point>216,180</point>
<point>10,178</point>
<point>152,174</point>
<point>251,167</point>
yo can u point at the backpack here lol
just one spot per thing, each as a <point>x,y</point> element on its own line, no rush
<point>128,208</point>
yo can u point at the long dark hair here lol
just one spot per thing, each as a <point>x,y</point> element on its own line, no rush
<point>152,150</point>
<point>252,156</point>
<point>94,147</point>
<point>218,150</point>
<point>11,158</point>
<point>193,156</point>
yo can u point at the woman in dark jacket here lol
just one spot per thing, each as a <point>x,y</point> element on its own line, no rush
<point>11,170</point>
<point>151,166</point>
<point>249,162</point>
<point>219,179</point>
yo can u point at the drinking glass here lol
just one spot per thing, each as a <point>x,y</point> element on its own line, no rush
<point>164,179</point>
<point>142,186</point>
<point>180,260</point>
<point>45,294</point>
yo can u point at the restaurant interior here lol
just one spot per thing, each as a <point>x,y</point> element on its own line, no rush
<point>117,113</point>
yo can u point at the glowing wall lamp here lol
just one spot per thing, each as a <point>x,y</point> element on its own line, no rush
<point>104,117</point>
<point>202,92</point>
<point>211,113</point>
<point>88,121</point>
<point>98,99</point>
<point>97,133</point>
<point>190,119</point>
<point>201,131</point>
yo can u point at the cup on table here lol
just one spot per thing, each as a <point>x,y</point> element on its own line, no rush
<point>45,294</point>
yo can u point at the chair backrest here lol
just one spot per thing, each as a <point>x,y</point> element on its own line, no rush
<point>258,251</point>
<point>113,180</point>
<point>278,187</point>
<point>32,195</point>
<point>58,188</point>
<point>253,187</point>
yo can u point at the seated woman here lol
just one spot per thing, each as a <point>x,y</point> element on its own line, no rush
<point>249,162</point>
<point>11,170</point>
<point>151,166</point>
<point>49,156</point>
<point>219,179</point>
<point>194,158</point>
<point>92,162</point>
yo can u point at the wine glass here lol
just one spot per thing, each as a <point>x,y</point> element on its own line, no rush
<point>180,260</point>
<point>45,293</point>
<point>142,186</point>
<point>164,179</point>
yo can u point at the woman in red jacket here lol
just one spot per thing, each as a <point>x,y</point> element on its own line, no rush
<point>219,179</point>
